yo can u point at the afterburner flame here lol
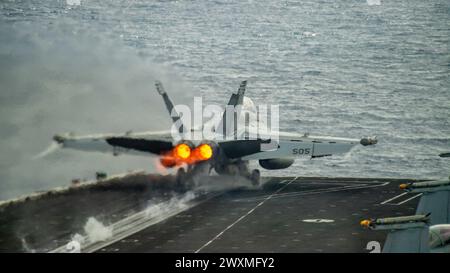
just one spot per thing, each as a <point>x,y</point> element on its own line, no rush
<point>168,161</point>
<point>204,151</point>
<point>183,154</point>
<point>182,151</point>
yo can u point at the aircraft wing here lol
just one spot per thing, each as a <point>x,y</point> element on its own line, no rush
<point>137,144</point>
<point>416,240</point>
<point>301,146</point>
<point>435,199</point>
<point>415,234</point>
<point>241,148</point>
<point>438,204</point>
<point>285,145</point>
<point>145,143</point>
<point>410,240</point>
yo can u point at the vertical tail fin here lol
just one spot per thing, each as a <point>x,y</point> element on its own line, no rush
<point>169,105</point>
<point>235,100</point>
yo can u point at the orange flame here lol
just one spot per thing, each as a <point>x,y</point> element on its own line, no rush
<point>168,161</point>
<point>182,153</point>
<point>203,152</point>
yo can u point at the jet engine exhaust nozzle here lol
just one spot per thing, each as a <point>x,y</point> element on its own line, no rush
<point>184,153</point>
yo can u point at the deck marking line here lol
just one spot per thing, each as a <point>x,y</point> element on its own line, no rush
<point>393,198</point>
<point>245,215</point>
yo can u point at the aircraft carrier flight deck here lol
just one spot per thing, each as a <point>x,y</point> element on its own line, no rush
<point>287,214</point>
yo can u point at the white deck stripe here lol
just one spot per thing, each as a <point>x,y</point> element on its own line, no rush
<point>243,216</point>
<point>393,198</point>
<point>311,192</point>
<point>409,199</point>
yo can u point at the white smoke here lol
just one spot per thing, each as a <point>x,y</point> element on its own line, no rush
<point>175,203</point>
<point>56,80</point>
<point>78,238</point>
<point>53,147</point>
<point>96,231</point>
<point>214,183</point>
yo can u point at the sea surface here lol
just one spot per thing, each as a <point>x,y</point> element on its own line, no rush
<point>348,68</point>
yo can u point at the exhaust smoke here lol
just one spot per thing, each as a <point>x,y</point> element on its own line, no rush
<point>56,80</point>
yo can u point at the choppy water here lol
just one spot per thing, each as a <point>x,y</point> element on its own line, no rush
<point>343,68</point>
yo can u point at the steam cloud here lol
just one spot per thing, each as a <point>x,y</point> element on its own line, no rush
<point>55,80</point>
<point>176,202</point>
<point>96,231</point>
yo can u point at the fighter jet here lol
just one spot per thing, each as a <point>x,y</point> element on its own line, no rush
<point>428,230</point>
<point>229,155</point>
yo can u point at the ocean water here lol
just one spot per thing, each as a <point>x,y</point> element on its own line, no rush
<point>341,68</point>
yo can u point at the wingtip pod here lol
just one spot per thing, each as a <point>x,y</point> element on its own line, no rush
<point>59,139</point>
<point>366,141</point>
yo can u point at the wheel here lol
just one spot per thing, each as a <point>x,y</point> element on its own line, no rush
<point>220,169</point>
<point>233,170</point>
<point>243,169</point>
<point>255,177</point>
<point>184,179</point>
<point>181,177</point>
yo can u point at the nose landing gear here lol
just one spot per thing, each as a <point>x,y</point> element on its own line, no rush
<point>255,177</point>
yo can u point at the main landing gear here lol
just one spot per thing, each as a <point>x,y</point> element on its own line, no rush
<point>240,168</point>
<point>184,178</point>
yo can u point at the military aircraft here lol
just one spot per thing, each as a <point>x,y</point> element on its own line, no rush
<point>227,155</point>
<point>426,231</point>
